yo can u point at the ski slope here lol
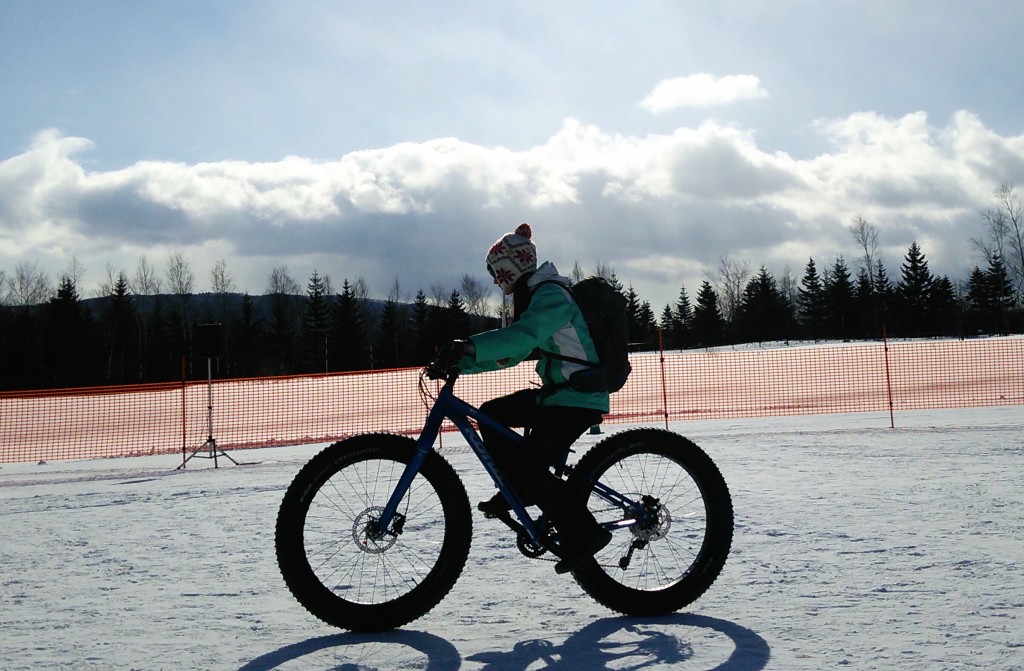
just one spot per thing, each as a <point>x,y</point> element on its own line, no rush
<point>856,546</point>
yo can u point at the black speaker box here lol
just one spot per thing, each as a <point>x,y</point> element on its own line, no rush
<point>208,340</point>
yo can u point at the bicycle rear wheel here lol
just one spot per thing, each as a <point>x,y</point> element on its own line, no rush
<point>665,564</point>
<point>336,563</point>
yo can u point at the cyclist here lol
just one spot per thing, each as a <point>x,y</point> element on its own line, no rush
<point>547,320</point>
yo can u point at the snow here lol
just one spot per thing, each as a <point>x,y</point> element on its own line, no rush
<point>856,546</point>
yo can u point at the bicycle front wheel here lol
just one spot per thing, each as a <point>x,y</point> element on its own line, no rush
<point>658,565</point>
<point>335,560</point>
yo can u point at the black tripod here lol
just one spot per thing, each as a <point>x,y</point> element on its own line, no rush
<point>209,343</point>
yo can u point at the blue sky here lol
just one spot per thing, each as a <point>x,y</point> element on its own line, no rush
<point>397,140</point>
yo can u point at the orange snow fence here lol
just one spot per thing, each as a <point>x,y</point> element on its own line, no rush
<point>670,386</point>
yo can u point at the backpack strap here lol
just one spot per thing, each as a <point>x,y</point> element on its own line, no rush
<point>595,379</point>
<point>564,357</point>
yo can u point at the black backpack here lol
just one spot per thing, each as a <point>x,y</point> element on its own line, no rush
<point>604,309</point>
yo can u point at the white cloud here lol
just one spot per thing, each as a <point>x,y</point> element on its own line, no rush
<point>655,206</point>
<point>702,90</point>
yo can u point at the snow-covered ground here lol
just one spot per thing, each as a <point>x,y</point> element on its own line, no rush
<point>857,546</point>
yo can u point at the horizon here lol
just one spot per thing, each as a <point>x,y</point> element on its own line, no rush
<point>398,143</point>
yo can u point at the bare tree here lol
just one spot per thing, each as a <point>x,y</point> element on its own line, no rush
<point>280,282</point>
<point>576,274</point>
<point>866,236</point>
<point>5,290</point>
<point>361,290</point>
<point>1004,233</point>
<point>395,293</point>
<point>729,282</point>
<point>474,293</point>
<point>604,270</point>
<point>145,282</point>
<point>107,284</point>
<point>504,310</point>
<point>439,295</point>
<point>221,280</point>
<point>74,272</point>
<point>789,285</point>
<point>180,277</point>
<point>29,285</point>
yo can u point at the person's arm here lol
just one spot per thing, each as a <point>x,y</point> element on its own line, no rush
<point>549,310</point>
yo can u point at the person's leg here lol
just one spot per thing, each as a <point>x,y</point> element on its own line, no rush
<point>514,410</point>
<point>554,432</point>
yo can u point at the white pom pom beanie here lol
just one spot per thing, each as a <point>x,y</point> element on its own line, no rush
<point>513,255</point>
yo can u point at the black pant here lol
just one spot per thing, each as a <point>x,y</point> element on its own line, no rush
<point>552,431</point>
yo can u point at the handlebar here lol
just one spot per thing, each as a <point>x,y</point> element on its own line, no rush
<point>444,365</point>
<point>438,370</point>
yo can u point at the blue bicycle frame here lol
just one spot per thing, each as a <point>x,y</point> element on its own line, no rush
<point>448,406</point>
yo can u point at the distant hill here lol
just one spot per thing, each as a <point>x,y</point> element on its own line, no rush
<point>207,307</point>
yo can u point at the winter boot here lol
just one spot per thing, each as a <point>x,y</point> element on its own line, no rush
<point>580,537</point>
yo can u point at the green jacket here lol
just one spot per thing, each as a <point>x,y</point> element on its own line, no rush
<point>552,322</point>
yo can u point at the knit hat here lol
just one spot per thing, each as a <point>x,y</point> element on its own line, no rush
<point>513,255</point>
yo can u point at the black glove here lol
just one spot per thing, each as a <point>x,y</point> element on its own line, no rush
<point>449,356</point>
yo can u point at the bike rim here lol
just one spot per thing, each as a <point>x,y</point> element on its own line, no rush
<point>342,547</point>
<point>661,552</point>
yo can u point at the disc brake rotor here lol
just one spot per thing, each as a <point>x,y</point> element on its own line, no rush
<point>656,528</point>
<point>367,535</point>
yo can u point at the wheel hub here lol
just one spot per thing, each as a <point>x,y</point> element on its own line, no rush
<point>367,534</point>
<point>657,524</point>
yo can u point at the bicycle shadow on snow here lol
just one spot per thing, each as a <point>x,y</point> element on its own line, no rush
<point>634,643</point>
<point>618,642</point>
<point>349,651</point>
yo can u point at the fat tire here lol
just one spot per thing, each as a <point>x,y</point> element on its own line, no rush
<point>293,556</point>
<point>603,580</point>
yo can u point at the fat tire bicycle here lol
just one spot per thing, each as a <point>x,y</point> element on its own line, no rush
<point>375,529</point>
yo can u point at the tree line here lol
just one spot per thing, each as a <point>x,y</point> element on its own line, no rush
<point>142,328</point>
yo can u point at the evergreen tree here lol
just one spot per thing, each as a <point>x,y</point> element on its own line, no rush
<point>990,297</point>
<point>708,324</point>
<point>22,340</point>
<point>943,314</point>
<point>249,334</point>
<point>316,322</point>
<point>1002,296</point>
<point>669,327</point>
<point>840,307</point>
<point>648,327</point>
<point>121,364</point>
<point>11,359</point>
<point>912,293</point>
<point>682,323</point>
<point>884,297</point>
<point>457,322</point>
<point>281,334</point>
<point>349,342</point>
<point>633,316</point>
<point>763,313</point>
<point>388,340</point>
<point>69,338</point>
<point>977,302</point>
<point>423,340</point>
<point>811,301</point>
<point>864,298</point>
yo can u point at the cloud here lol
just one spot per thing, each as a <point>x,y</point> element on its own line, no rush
<point>656,207</point>
<point>702,90</point>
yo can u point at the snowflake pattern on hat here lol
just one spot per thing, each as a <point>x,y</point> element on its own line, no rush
<point>511,256</point>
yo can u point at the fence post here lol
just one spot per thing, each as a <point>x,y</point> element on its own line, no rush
<point>183,425</point>
<point>888,378</point>
<point>664,384</point>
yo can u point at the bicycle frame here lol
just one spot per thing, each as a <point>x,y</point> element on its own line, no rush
<point>448,406</point>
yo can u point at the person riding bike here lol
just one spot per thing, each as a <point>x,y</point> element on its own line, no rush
<point>546,320</point>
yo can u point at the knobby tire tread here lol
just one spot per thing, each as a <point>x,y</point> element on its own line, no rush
<point>294,563</point>
<point>710,560</point>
